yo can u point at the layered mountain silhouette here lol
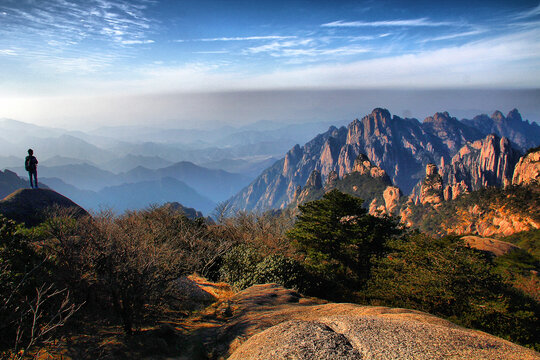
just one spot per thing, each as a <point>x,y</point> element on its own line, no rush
<point>136,195</point>
<point>185,182</point>
<point>9,182</point>
<point>401,147</point>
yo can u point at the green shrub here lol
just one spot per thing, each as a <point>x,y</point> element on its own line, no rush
<point>245,266</point>
<point>446,278</point>
<point>283,271</point>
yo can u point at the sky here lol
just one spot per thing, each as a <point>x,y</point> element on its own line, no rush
<point>84,63</point>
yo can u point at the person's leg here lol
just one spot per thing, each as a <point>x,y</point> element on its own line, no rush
<point>35,179</point>
<point>31,183</point>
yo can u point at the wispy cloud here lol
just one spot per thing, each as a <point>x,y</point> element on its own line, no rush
<point>247,38</point>
<point>82,37</point>
<point>529,13</point>
<point>454,36</point>
<point>115,21</point>
<point>496,62</point>
<point>9,52</point>
<point>388,23</point>
<point>136,42</point>
<point>309,47</point>
<point>239,38</point>
<point>212,52</point>
<point>275,46</point>
<point>82,65</point>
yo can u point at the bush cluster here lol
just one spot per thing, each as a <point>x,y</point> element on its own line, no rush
<point>125,268</point>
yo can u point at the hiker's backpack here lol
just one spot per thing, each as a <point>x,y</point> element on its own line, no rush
<point>28,163</point>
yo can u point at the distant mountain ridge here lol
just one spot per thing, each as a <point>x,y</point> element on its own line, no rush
<point>401,147</point>
<point>214,184</point>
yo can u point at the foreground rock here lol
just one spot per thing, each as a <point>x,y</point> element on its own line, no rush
<point>271,322</point>
<point>31,206</point>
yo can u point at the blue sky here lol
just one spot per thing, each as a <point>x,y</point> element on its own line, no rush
<point>68,51</point>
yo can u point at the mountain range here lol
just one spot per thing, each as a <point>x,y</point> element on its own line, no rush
<point>198,168</point>
<point>402,147</point>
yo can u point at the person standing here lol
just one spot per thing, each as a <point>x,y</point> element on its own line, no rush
<point>30,164</point>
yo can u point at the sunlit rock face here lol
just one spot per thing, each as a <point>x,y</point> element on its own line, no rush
<point>483,163</point>
<point>400,148</point>
<point>527,170</point>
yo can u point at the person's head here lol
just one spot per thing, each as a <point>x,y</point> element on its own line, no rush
<point>30,152</point>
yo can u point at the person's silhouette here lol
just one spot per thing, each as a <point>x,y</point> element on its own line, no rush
<point>30,164</point>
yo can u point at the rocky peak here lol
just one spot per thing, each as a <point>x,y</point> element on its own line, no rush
<point>381,114</point>
<point>431,191</point>
<point>31,206</point>
<point>497,116</point>
<point>400,147</point>
<point>363,166</point>
<point>431,170</point>
<point>292,158</point>
<point>486,162</point>
<point>514,115</point>
<point>390,202</point>
<point>314,181</point>
<point>527,170</point>
<point>439,117</point>
<point>331,180</point>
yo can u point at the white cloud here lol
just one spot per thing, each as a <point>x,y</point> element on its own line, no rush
<point>497,62</point>
<point>276,46</point>
<point>389,23</point>
<point>68,21</point>
<point>9,52</point>
<point>247,38</point>
<point>212,52</point>
<point>136,42</point>
<point>454,36</point>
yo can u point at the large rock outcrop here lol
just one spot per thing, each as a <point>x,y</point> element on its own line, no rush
<point>313,189</point>
<point>366,181</point>
<point>31,206</point>
<point>483,163</point>
<point>490,212</point>
<point>271,322</point>
<point>431,190</point>
<point>527,171</point>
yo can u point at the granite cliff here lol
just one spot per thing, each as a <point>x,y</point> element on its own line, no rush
<point>486,162</point>
<point>527,170</point>
<point>366,181</point>
<point>400,147</point>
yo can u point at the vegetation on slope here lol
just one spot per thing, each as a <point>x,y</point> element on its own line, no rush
<point>477,212</point>
<point>121,272</point>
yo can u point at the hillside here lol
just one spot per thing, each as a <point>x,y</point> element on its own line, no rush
<point>486,212</point>
<point>30,206</point>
